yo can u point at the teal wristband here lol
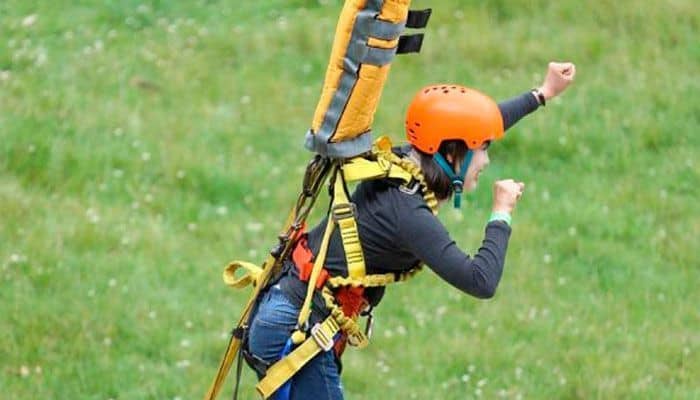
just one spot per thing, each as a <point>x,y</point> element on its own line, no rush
<point>501,216</point>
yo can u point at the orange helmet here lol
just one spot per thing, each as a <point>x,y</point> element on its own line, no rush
<point>452,112</point>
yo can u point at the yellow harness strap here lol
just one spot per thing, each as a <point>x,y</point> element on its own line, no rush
<point>249,278</point>
<point>321,340</point>
<point>360,169</point>
<point>343,214</point>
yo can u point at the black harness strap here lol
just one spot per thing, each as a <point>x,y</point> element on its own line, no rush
<point>410,43</point>
<point>418,18</point>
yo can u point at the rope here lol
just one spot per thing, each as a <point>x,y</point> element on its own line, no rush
<point>417,174</point>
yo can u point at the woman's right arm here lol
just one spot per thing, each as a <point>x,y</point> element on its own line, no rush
<point>425,236</point>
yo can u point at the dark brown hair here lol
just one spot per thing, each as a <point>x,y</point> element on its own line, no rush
<point>436,179</point>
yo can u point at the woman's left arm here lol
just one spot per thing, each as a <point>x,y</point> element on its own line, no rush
<point>558,78</point>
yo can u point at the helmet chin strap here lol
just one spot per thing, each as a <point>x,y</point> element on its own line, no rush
<point>457,181</point>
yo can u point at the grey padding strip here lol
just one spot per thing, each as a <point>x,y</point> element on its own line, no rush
<point>347,148</point>
<point>337,106</point>
<point>379,57</point>
<point>385,30</point>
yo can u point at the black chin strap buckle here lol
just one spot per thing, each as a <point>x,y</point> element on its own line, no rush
<point>458,186</point>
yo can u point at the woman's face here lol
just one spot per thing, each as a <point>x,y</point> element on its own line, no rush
<point>480,160</point>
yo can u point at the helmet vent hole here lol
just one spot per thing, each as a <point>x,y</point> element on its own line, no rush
<point>463,91</point>
<point>445,91</point>
<point>443,88</point>
<point>426,91</point>
<point>416,124</point>
<point>411,130</point>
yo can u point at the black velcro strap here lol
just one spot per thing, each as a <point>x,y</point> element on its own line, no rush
<point>418,18</point>
<point>410,43</point>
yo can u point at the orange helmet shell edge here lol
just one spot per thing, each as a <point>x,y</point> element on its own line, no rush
<point>452,112</point>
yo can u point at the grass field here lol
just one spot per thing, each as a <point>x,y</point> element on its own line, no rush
<point>144,144</point>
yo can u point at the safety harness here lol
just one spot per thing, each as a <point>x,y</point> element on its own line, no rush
<point>342,321</point>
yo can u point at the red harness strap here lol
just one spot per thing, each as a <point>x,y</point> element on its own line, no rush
<point>350,299</point>
<point>304,260</point>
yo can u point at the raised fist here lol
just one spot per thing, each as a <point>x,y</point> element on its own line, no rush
<point>559,76</point>
<point>506,194</point>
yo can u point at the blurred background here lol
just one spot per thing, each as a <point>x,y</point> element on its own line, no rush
<point>144,144</point>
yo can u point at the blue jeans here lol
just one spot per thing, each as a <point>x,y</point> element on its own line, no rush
<point>272,324</point>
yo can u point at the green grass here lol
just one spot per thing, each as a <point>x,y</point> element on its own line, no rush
<point>145,144</point>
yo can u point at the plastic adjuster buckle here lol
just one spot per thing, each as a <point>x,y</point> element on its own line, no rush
<point>343,211</point>
<point>323,341</point>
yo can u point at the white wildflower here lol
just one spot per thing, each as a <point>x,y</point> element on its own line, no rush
<point>92,215</point>
<point>24,371</point>
<point>29,20</point>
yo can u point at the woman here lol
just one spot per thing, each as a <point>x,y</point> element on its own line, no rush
<point>450,128</point>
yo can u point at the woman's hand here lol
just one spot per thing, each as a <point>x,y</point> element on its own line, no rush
<point>506,194</point>
<point>559,76</point>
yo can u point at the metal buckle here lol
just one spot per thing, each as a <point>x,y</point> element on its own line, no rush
<point>343,211</point>
<point>369,327</point>
<point>410,190</point>
<point>323,341</point>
